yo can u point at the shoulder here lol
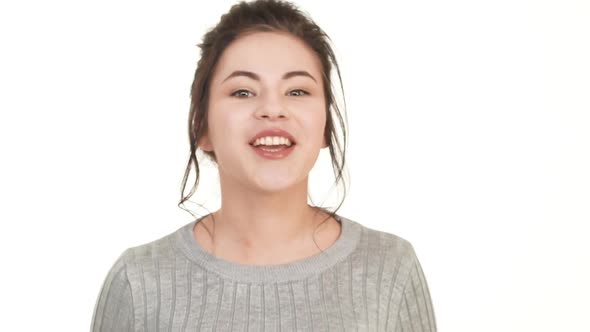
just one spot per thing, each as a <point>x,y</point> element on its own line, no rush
<point>391,245</point>
<point>149,260</point>
<point>388,255</point>
<point>150,253</point>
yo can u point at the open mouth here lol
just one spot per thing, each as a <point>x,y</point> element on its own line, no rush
<point>271,150</point>
<point>273,143</point>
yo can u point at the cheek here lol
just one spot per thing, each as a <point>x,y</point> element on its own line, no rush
<point>317,125</point>
<point>226,126</point>
<point>321,118</point>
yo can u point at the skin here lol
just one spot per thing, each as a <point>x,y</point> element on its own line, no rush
<point>264,217</point>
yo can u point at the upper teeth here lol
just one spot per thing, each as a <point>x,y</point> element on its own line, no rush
<point>272,140</point>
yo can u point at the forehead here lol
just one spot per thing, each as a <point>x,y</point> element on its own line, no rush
<point>269,54</point>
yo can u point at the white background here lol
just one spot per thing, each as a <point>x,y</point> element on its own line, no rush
<point>469,136</point>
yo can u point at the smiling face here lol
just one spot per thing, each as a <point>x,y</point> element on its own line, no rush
<point>266,80</point>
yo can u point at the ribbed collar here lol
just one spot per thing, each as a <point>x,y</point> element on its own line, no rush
<point>338,251</point>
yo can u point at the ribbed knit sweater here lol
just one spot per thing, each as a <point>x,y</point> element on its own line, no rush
<point>367,280</point>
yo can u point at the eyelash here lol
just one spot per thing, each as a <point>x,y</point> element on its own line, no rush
<point>234,94</point>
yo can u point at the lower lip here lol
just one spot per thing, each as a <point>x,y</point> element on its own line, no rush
<point>274,155</point>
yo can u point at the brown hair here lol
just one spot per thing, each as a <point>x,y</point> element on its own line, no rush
<point>259,16</point>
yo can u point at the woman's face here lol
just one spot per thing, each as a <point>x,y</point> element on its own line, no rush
<point>266,80</point>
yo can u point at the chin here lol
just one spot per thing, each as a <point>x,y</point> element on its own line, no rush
<point>271,185</point>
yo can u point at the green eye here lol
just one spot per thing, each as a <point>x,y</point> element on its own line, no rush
<point>299,92</point>
<point>241,93</point>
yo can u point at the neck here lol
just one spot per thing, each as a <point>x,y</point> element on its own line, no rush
<point>263,226</point>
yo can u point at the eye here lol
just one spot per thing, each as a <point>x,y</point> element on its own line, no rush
<point>242,93</point>
<point>298,92</point>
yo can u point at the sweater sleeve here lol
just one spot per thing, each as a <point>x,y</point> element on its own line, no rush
<point>415,311</point>
<point>113,310</point>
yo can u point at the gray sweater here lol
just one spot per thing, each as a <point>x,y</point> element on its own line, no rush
<point>367,280</point>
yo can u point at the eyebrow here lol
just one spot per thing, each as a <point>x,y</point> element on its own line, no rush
<point>255,76</point>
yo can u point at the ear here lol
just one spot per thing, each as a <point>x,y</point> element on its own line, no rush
<point>205,143</point>
<point>324,143</point>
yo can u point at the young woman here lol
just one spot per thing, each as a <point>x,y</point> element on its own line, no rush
<point>262,109</point>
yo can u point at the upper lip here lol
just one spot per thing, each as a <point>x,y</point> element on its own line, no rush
<point>273,132</point>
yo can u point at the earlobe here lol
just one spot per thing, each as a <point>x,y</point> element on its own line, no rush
<point>205,144</point>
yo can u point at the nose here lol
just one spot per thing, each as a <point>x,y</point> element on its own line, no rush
<point>271,107</point>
